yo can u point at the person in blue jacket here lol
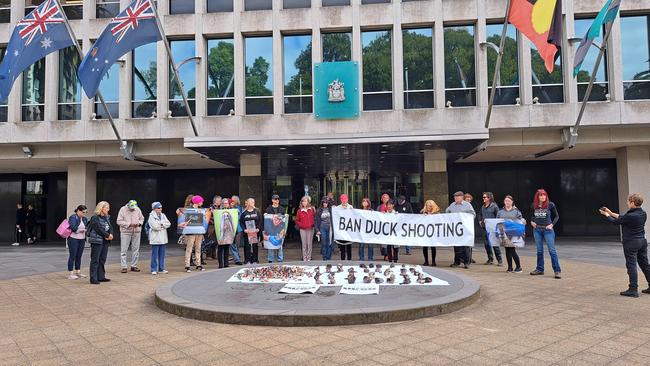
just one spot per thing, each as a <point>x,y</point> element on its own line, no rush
<point>77,241</point>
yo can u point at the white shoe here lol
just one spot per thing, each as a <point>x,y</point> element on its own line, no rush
<point>29,240</point>
<point>154,273</point>
<point>73,277</point>
<point>81,275</point>
<point>15,244</point>
<point>164,271</point>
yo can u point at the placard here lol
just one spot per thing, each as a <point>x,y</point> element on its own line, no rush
<point>275,229</point>
<point>299,288</point>
<point>360,289</point>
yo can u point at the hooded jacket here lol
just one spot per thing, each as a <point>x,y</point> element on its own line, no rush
<point>159,226</point>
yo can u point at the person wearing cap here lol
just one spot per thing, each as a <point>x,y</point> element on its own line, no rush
<point>193,234</point>
<point>461,253</point>
<point>404,206</point>
<point>275,209</point>
<point>344,245</point>
<point>158,225</point>
<point>130,220</point>
<point>324,228</point>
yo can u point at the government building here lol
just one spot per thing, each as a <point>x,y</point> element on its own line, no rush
<point>421,73</point>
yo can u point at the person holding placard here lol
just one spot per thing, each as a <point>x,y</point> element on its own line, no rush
<point>275,209</point>
<point>510,212</point>
<point>251,222</point>
<point>195,226</point>
<point>366,205</point>
<point>430,208</point>
<point>392,250</point>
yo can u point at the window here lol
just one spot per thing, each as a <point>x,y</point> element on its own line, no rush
<point>417,49</point>
<point>219,6</point>
<point>181,6</point>
<point>69,107</point>
<point>374,1</point>
<point>508,84</point>
<point>182,51</point>
<point>635,56</point>
<point>295,4</point>
<point>3,103</point>
<point>460,81</point>
<point>107,8</point>
<point>547,88</point>
<point>73,9</point>
<point>144,81</point>
<point>377,70</point>
<point>336,46</point>
<point>5,11</point>
<point>33,98</point>
<point>600,90</point>
<point>110,89</point>
<point>221,77</point>
<point>297,74</point>
<point>258,5</point>
<point>31,5</point>
<point>335,2</point>
<point>259,75</point>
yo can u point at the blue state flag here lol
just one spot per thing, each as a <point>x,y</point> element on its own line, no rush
<point>133,27</point>
<point>606,15</point>
<point>41,32</point>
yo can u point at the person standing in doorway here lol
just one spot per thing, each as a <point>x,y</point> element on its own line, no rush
<point>158,225</point>
<point>275,209</point>
<point>635,245</point>
<point>100,235</point>
<point>30,224</point>
<point>345,246</point>
<point>77,241</point>
<point>234,247</point>
<point>252,223</point>
<point>489,210</point>
<point>404,206</point>
<point>544,218</point>
<point>461,253</point>
<point>305,218</point>
<point>366,205</point>
<point>130,220</point>
<point>19,229</point>
<point>324,228</point>
<point>430,208</point>
<point>510,212</point>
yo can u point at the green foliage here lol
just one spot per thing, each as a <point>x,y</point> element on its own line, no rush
<point>540,70</point>
<point>418,59</point>
<point>148,80</point>
<point>377,64</point>
<point>303,64</point>
<point>221,63</point>
<point>256,78</point>
<point>337,47</point>
<point>459,51</point>
<point>509,73</point>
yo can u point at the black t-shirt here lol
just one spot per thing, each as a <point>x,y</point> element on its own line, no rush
<point>275,210</point>
<point>255,216</point>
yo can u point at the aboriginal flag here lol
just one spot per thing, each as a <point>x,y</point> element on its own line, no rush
<point>541,22</point>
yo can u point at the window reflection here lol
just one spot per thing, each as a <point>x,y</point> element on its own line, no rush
<point>217,6</point>
<point>297,74</point>
<point>337,46</point>
<point>508,84</point>
<point>600,88</point>
<point>33,98</point>
<point>5,11</point>
<point>377,70</point>
<point>635,56</point>
<point>144,81</point>
<point>417,50</point>
<point>259,75</point>
<point>547,88</point>
<point>460,84</point>
<point>73,8</point>
<point>107,8</point>
<point>3,103</point>
<point>325,3</point>
<point>181,6</point>
<point>182,51</point>
<point>221,77</point>
<point>110,89</point>
<point>69,107</point>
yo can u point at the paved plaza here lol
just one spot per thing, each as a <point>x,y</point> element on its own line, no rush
<point>47,319</point>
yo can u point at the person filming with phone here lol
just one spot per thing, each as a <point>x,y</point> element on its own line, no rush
<point>635,246</point>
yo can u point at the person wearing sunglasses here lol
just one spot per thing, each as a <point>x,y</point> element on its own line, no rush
<point>77,241</point>
<point>489,210</point>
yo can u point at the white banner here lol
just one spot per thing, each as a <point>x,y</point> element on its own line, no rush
<point>372,227</point>
<point>299,288</point>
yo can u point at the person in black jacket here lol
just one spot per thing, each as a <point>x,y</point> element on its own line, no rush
<point>635,245</point>
<point>252,223</point>
<point>20,224</point>
<point>100,234</point>
<point>404,206</point>
<point>30,224</point>
<point>275,209</point>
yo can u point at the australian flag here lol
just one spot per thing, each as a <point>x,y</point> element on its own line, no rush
<point>133,27</point>
<point>41,32</point>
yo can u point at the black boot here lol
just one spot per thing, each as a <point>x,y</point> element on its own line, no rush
<point>630,292</point>
<point>646,291</point>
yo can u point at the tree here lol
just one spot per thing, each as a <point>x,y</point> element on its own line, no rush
<point>377,64</point>
<point>509,73</point>
<point>459,58</point>
<point>257,77</point>
<point>337,47</point>
<point>301,81</point>
<point>418,59</point>
<point>221,62</point>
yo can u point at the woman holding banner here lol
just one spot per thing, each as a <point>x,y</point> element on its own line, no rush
<point>345,246</point>
<point>366,205</point>
<point>393,250</point>
<point>510,212</point>
<point>305,222</point>
<point>430,208</point>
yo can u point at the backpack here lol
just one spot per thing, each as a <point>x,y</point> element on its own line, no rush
<point>146,228</point>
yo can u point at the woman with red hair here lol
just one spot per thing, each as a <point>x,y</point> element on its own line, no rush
<point>544,218</point>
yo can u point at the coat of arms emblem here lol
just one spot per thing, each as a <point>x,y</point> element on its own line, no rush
<point>335,91</point>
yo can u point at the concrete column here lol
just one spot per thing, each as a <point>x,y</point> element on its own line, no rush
<point>126,79</point>
<point>357,47</point>
<point>239,69</point>
<point>52,87</point>
<point>398,60</point>
<point>615,62</point>
<point>200,105</point>
<point>568,52</point>
<point>434,178</point>
<point>633,173</point>
<point>250,178</point>
<point>439,56</point>
<point>82,185</point>
<point>278,63</point>
<point>480,68</point>
<point>525,71</point>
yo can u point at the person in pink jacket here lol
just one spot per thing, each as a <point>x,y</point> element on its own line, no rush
<point>130,220</point>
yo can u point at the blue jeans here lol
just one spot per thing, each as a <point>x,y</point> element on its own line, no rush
<point>271,255</point>
<point>371,250</point>
<point>234,248</point>
<point>542,235</point>
<point>325,242</point>
<point>408,249</point>
<point>158,257</point>
<point>76,249</point>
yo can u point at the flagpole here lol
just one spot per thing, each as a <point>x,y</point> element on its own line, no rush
<point>99,94</point>
<point>173,64</point>
<point>497,66</point>
<point>603,47</point>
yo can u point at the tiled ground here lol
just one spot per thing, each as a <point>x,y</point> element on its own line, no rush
<point>519,320</point>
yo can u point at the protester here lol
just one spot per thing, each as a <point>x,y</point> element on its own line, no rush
<point>544,218</point>
<point>382,208</point>
<point>635,245</point>
<point>20,224</point>
<point>461,253</point>
<point>510,212</point>
<point>100,235</point>
<point>225,204</point>
<point>305,221</point>
<point>392,250</point>
<point>489,210</point>
<point>216,205</point>
<point>324,228</point>
<point>76,241</point>
<point>404,206</point>
<point>30,224</point>
<point>193,235</point>
<point>158,225</point>
<point>234,247</point>
<point>275,209</point>
<point>130,220</point>
<point>345,246</point>
<point>227,234</point>
<point>366,205</point>
<point>430,208</point>
<point>467,197</point>
<point>252,224</point>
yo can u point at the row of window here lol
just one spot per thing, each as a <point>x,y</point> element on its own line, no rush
<point>377,72</point>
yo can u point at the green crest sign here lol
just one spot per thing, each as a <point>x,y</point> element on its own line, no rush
<point>336,93</point>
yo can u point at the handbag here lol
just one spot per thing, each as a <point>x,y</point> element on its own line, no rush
<point>64,230</point>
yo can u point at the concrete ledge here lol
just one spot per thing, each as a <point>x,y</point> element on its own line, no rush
<point>207,296</point>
